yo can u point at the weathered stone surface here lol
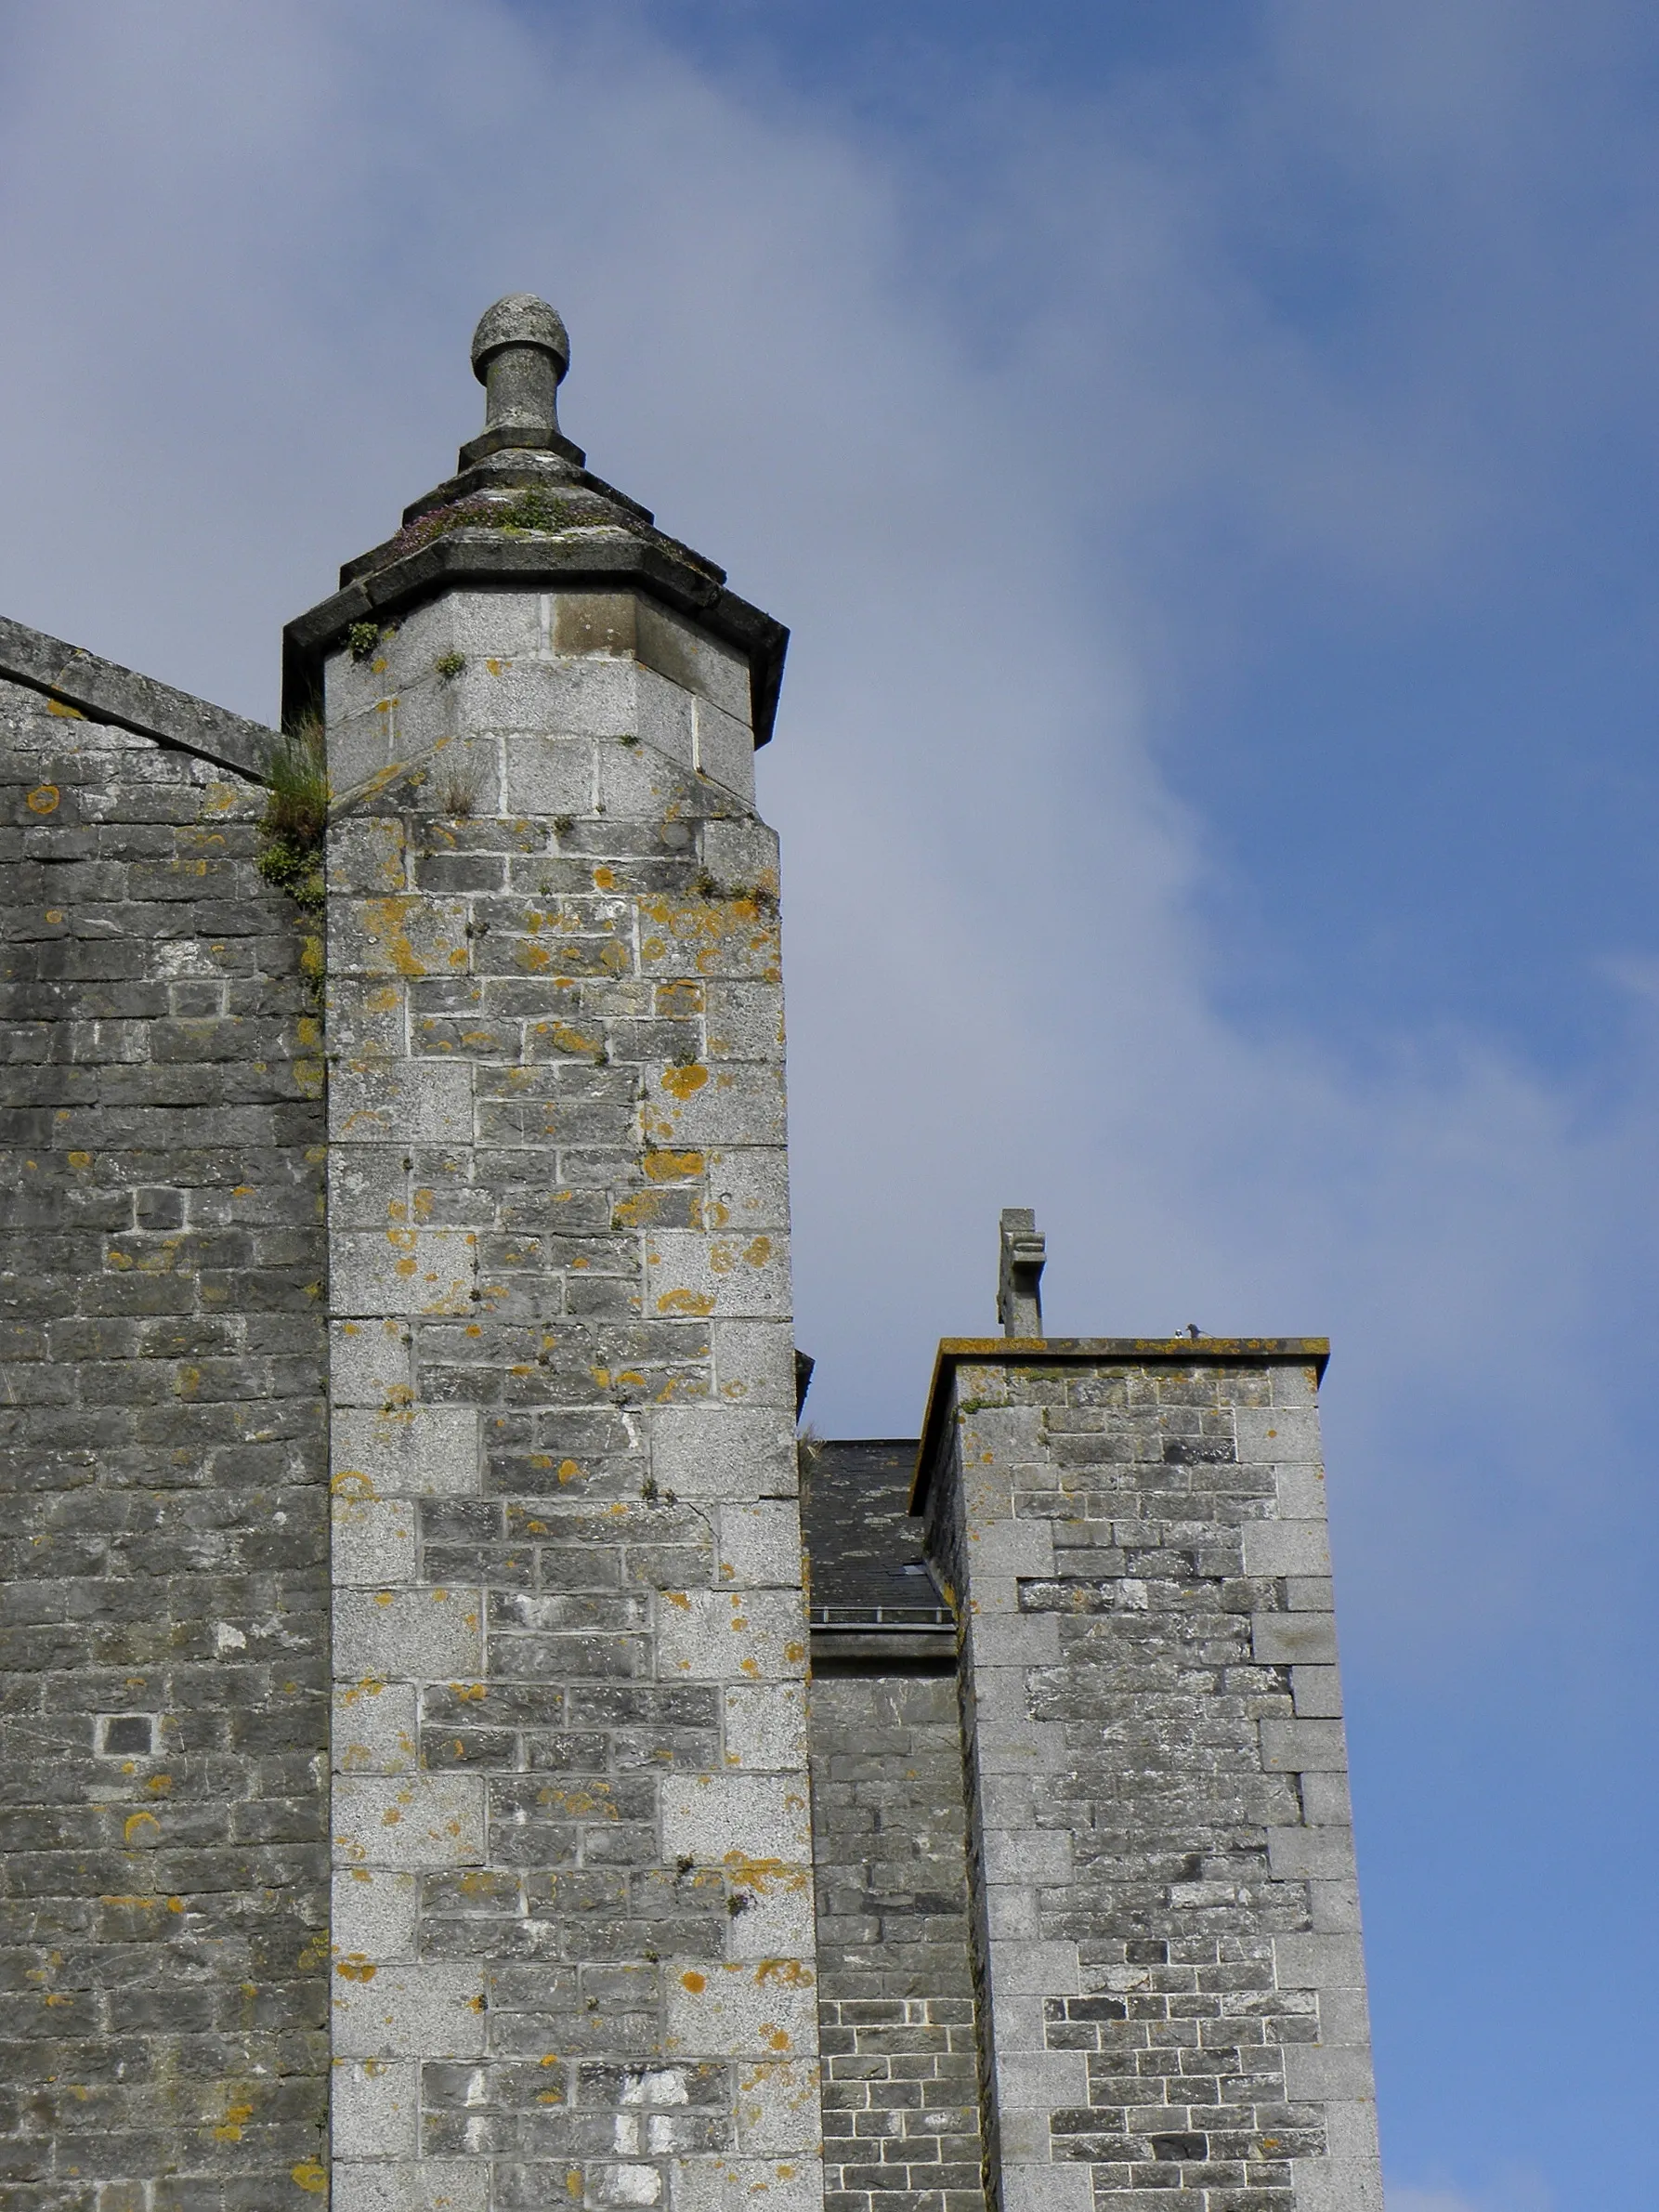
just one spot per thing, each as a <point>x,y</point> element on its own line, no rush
<point>164,1877</point>
<point>570,1632</point>
<point>901,2104</point>
<point>1167,1953</point>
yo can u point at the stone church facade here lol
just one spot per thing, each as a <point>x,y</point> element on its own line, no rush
<point>436,1770</point>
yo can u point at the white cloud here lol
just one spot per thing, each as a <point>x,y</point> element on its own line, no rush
<point>243,271</point>
<point>1521,2189</point>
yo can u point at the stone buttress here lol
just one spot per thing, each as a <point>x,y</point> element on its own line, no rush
<point>1167,1943</point>
<point>574,1944</point>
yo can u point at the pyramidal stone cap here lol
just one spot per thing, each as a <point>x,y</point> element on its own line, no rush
<point>524,511</point>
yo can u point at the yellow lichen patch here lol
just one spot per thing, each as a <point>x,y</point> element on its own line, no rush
<point>694,1982</point>
<point>686,1301</point>
<point>311,2177</point>
<point>788,1973</point>
<point>579,1801</point>
<point>239,2107</point>
<point>356,1968</point>
<point>133,1829</point>
<point>683,1081</point>
<point>44,798</point>
<point>661,1165</point>
<point>764,1876</point>
<point>705,930</point>
<point>570,1040</point>
<point>604,879</point>
<point>622,1378</point>
<point>635,1211</point>
<point>63,707</point>
<point>387,922</point>
<point>726,1254</point>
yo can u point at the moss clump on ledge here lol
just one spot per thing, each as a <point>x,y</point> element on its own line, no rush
<point>532,510</point>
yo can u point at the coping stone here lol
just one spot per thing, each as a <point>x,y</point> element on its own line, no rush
<point>104,691</point>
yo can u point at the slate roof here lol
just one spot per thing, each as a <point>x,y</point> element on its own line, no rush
<point>862,1545</point>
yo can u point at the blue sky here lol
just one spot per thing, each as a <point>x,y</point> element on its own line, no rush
<point>1207,455</point>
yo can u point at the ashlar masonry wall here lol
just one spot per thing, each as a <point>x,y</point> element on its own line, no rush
<point>164,1857</point>
<point>901,2088</point>
<point>572,1916</point>
<point>1167,1933</point>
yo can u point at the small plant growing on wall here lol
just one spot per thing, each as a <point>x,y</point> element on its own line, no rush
<point>458,791</point>
<point>362,637</point>
<point>296,819</point>
<point>450,665</point>
<point>292,830</point>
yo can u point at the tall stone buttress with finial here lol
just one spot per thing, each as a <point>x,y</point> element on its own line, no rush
<point>572,1916</point>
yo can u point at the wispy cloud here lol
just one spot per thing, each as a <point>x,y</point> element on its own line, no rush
<point>1521,2190</point>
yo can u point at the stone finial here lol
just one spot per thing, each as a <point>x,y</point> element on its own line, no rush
<point>520,354</point>
<point>1019,1278</point>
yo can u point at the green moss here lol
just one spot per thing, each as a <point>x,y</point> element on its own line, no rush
<point>450,665</point>
<point>533,510</point>
<point>760,895</point>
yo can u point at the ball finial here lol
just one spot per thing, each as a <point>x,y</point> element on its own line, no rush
<point>520,353</point>
<point>519,320</point>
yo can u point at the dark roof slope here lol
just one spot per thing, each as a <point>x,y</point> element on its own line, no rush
<point>864,1549</point>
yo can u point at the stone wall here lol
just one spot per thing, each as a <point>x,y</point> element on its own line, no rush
<point>1167,1930</point>
<point>163,1731</point>
<point>901,2103</point>
<point>573,1899</point>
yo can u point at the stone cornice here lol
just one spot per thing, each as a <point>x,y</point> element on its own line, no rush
<point>1106,1352</point>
